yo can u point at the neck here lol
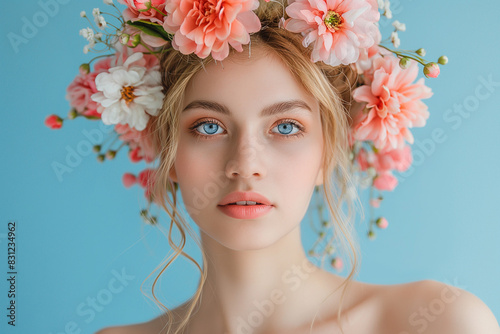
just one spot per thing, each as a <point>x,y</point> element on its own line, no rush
<point>272,288</point>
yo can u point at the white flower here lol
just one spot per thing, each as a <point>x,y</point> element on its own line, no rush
<point>108,2</point>
<point>96,12</point>
<point>89,35</point>
<point>83,14</point>
<point>395,39</point>
<point>101,22</point>
<point>399,26</point>
<point>129,93</point>
<point>86,49</point>
<point>387,9</point>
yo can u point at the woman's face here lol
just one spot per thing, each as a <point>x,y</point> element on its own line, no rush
<point>261,133</point>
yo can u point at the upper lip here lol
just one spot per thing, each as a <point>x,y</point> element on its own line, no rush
<point>238,196</point>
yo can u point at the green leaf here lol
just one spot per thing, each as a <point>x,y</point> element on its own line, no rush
<point>150,28</point>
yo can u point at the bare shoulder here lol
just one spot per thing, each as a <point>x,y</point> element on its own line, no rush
<point>154,326</point>
<point>434,307</point>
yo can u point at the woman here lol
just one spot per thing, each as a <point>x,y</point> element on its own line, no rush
<point>247,141</point>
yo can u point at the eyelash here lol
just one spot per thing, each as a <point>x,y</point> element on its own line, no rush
<point>300,133</point>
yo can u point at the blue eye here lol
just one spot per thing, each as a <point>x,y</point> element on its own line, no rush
<point>287,128</point>
<point>209,128</point>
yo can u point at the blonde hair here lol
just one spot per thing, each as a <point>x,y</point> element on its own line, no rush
<point>331,86</point>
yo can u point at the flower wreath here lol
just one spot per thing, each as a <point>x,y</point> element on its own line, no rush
<point>124,87</point>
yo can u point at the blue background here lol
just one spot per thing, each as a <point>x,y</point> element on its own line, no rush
<point>74,236</point>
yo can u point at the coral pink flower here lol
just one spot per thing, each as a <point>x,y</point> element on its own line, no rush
<point>393,104</point>
<point>53,122</point>
<point>135,10</point>
<point>139,142</point>
<point>210,26</point>
<point>340,29</point>
<point>365,60</point>
<point>385,181</point>
<point>83,86</point>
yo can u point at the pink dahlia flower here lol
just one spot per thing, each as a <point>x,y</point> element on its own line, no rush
<point>79,92</point>
<point>210,26</point>
<point>393,104</point>
<point>340,29</point>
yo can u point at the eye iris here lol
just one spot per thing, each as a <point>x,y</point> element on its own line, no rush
<point>286,126</point>
<point>210,128</point>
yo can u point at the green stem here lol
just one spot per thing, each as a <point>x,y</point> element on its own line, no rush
<point>404,53</point>
<point>108,55</point>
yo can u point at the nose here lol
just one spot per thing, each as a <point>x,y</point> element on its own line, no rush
<point>247,159</point>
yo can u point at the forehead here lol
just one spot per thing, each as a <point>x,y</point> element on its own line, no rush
<point>242,80</point>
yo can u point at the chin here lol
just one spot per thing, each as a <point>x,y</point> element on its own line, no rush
<point>246,236</point>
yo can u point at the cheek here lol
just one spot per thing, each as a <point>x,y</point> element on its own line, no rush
<point>298,163</point>
<point>198,171</point>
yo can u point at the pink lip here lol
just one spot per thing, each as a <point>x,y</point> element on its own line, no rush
<point>245,211</point>
<point>238,196</point>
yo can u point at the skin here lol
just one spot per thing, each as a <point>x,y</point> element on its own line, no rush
<point>262,261</point>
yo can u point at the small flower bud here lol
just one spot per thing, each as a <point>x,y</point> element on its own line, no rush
<point>85,68</point>
<point>54,122</point>
<point>337,263</point>
<point>108,2</point>
<point>404,63</point>
<point>153,220</point>
<point>421,52</point>
<point>72,114</point>
<point>101,157</point>
<point>382,222</point>
<point>431,70</point>
<point>311,252</point>
<point>371,235</point>
<point>443,60</point>
<point>330,249</point>
<point>83,14</point>
<point>110,154</point>
<point>97,148</point>
<point>124,38</point>
<point>375,202</point>
<point>129,180</point>
<point>321,234</point>
<point>136,39</point>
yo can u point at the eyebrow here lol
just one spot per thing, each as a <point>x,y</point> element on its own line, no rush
<point>273,109</point>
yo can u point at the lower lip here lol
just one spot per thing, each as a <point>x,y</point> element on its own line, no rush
<point>245,211</point>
